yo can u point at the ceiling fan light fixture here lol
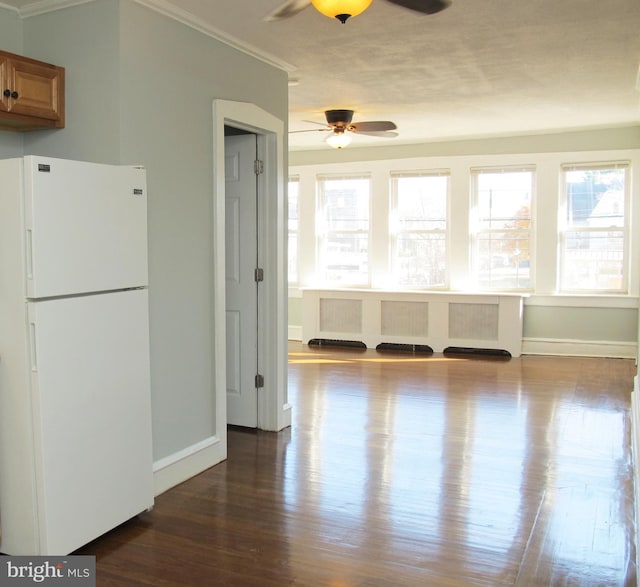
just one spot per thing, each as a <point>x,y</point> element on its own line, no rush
<point>338,140</point>
<point>341,9</point>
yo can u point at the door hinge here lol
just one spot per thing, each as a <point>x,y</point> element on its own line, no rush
<point>259,381</point>
<point>259,274</point>
<point>258,167</point>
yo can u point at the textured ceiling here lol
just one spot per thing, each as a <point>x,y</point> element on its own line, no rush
<point>480,68</point>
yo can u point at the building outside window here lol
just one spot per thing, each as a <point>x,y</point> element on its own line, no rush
<point>343,230</point>
<point>502,228</point>
<point>593,232</point>
<point>418,231</point>
<point>293,223</point>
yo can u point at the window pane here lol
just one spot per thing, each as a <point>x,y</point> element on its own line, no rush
<point>346,258</point>
<point>422,202</point>
<point>504,199</point>
<point>344,236</point>
<point>421,259</point>
<point>293,230</point>
<point>419,250</point>
<point>504,261</point>
<point>595,197</point>
<point>593,248</point>
<point>346,204</point>
<point>503,238</point>
<point>293,205</point>
<point>593,260</point>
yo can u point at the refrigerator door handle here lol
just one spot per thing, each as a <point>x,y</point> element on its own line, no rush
<point>29,246</point>
<point>32,347</point>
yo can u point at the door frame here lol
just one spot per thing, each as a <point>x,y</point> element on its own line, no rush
<point>274,411</point>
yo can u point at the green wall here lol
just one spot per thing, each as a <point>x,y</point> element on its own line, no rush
<point>592,140</point>
<point>587,324</point>
<point>11,143</point>
<point>295,312</point>
<point>140,88</point>
<point>10,31</point>
<point>85,40</point>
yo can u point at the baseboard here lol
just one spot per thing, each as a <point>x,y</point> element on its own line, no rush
<point>580,348</point>
<point>554,346</point>
<point>285,417</point>
<point>182,465</point>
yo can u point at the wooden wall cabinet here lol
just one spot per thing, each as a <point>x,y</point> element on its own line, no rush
<point>31,94</point>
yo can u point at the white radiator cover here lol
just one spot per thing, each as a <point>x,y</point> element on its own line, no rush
<point>439,320</point>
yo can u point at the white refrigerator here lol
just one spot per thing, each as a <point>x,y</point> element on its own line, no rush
<point>75,422</point>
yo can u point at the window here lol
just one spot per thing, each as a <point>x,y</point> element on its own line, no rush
<point>343,230</point>
<point>502,235</point>
<point>293,190</point>
<point>593,247</point>
<point>419,228</point>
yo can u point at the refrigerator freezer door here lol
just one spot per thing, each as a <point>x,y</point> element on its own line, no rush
<point>91,411</point>
<point>85,227</point>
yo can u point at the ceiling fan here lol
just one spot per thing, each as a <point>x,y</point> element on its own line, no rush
<point>339,124</point>
<point>345,9</point>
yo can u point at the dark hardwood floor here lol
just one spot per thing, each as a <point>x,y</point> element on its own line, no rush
<point>406,471</point>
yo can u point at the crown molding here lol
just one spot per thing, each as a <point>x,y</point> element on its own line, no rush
<point>44,6</point>
<point>9,8</point>
<point>190,20</point>
<point>170,11</point>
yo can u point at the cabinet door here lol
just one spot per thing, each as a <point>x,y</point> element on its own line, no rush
<point>31,93</point>
<point>37,87</point>
<point>4,83</point>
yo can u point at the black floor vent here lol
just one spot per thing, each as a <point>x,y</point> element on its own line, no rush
<point>424,349</point>
<point>470,351</point>
<point>352,344</point>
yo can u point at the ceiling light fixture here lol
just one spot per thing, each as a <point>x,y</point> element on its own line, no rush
<point>341,9</point>
<point>338,139</point>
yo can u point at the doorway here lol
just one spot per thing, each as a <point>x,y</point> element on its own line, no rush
<point>273,409</point>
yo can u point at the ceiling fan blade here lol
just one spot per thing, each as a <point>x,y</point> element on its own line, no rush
<point>323,124</point>
<point>424,6</point>
<point>385,134</point>
<point>325,129</point>
<point>372,126</point>
<point>288,9</point>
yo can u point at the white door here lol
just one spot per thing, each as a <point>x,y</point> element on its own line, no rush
<point>92,417</point>
<point>85,227</point>
<point>241,246</point>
